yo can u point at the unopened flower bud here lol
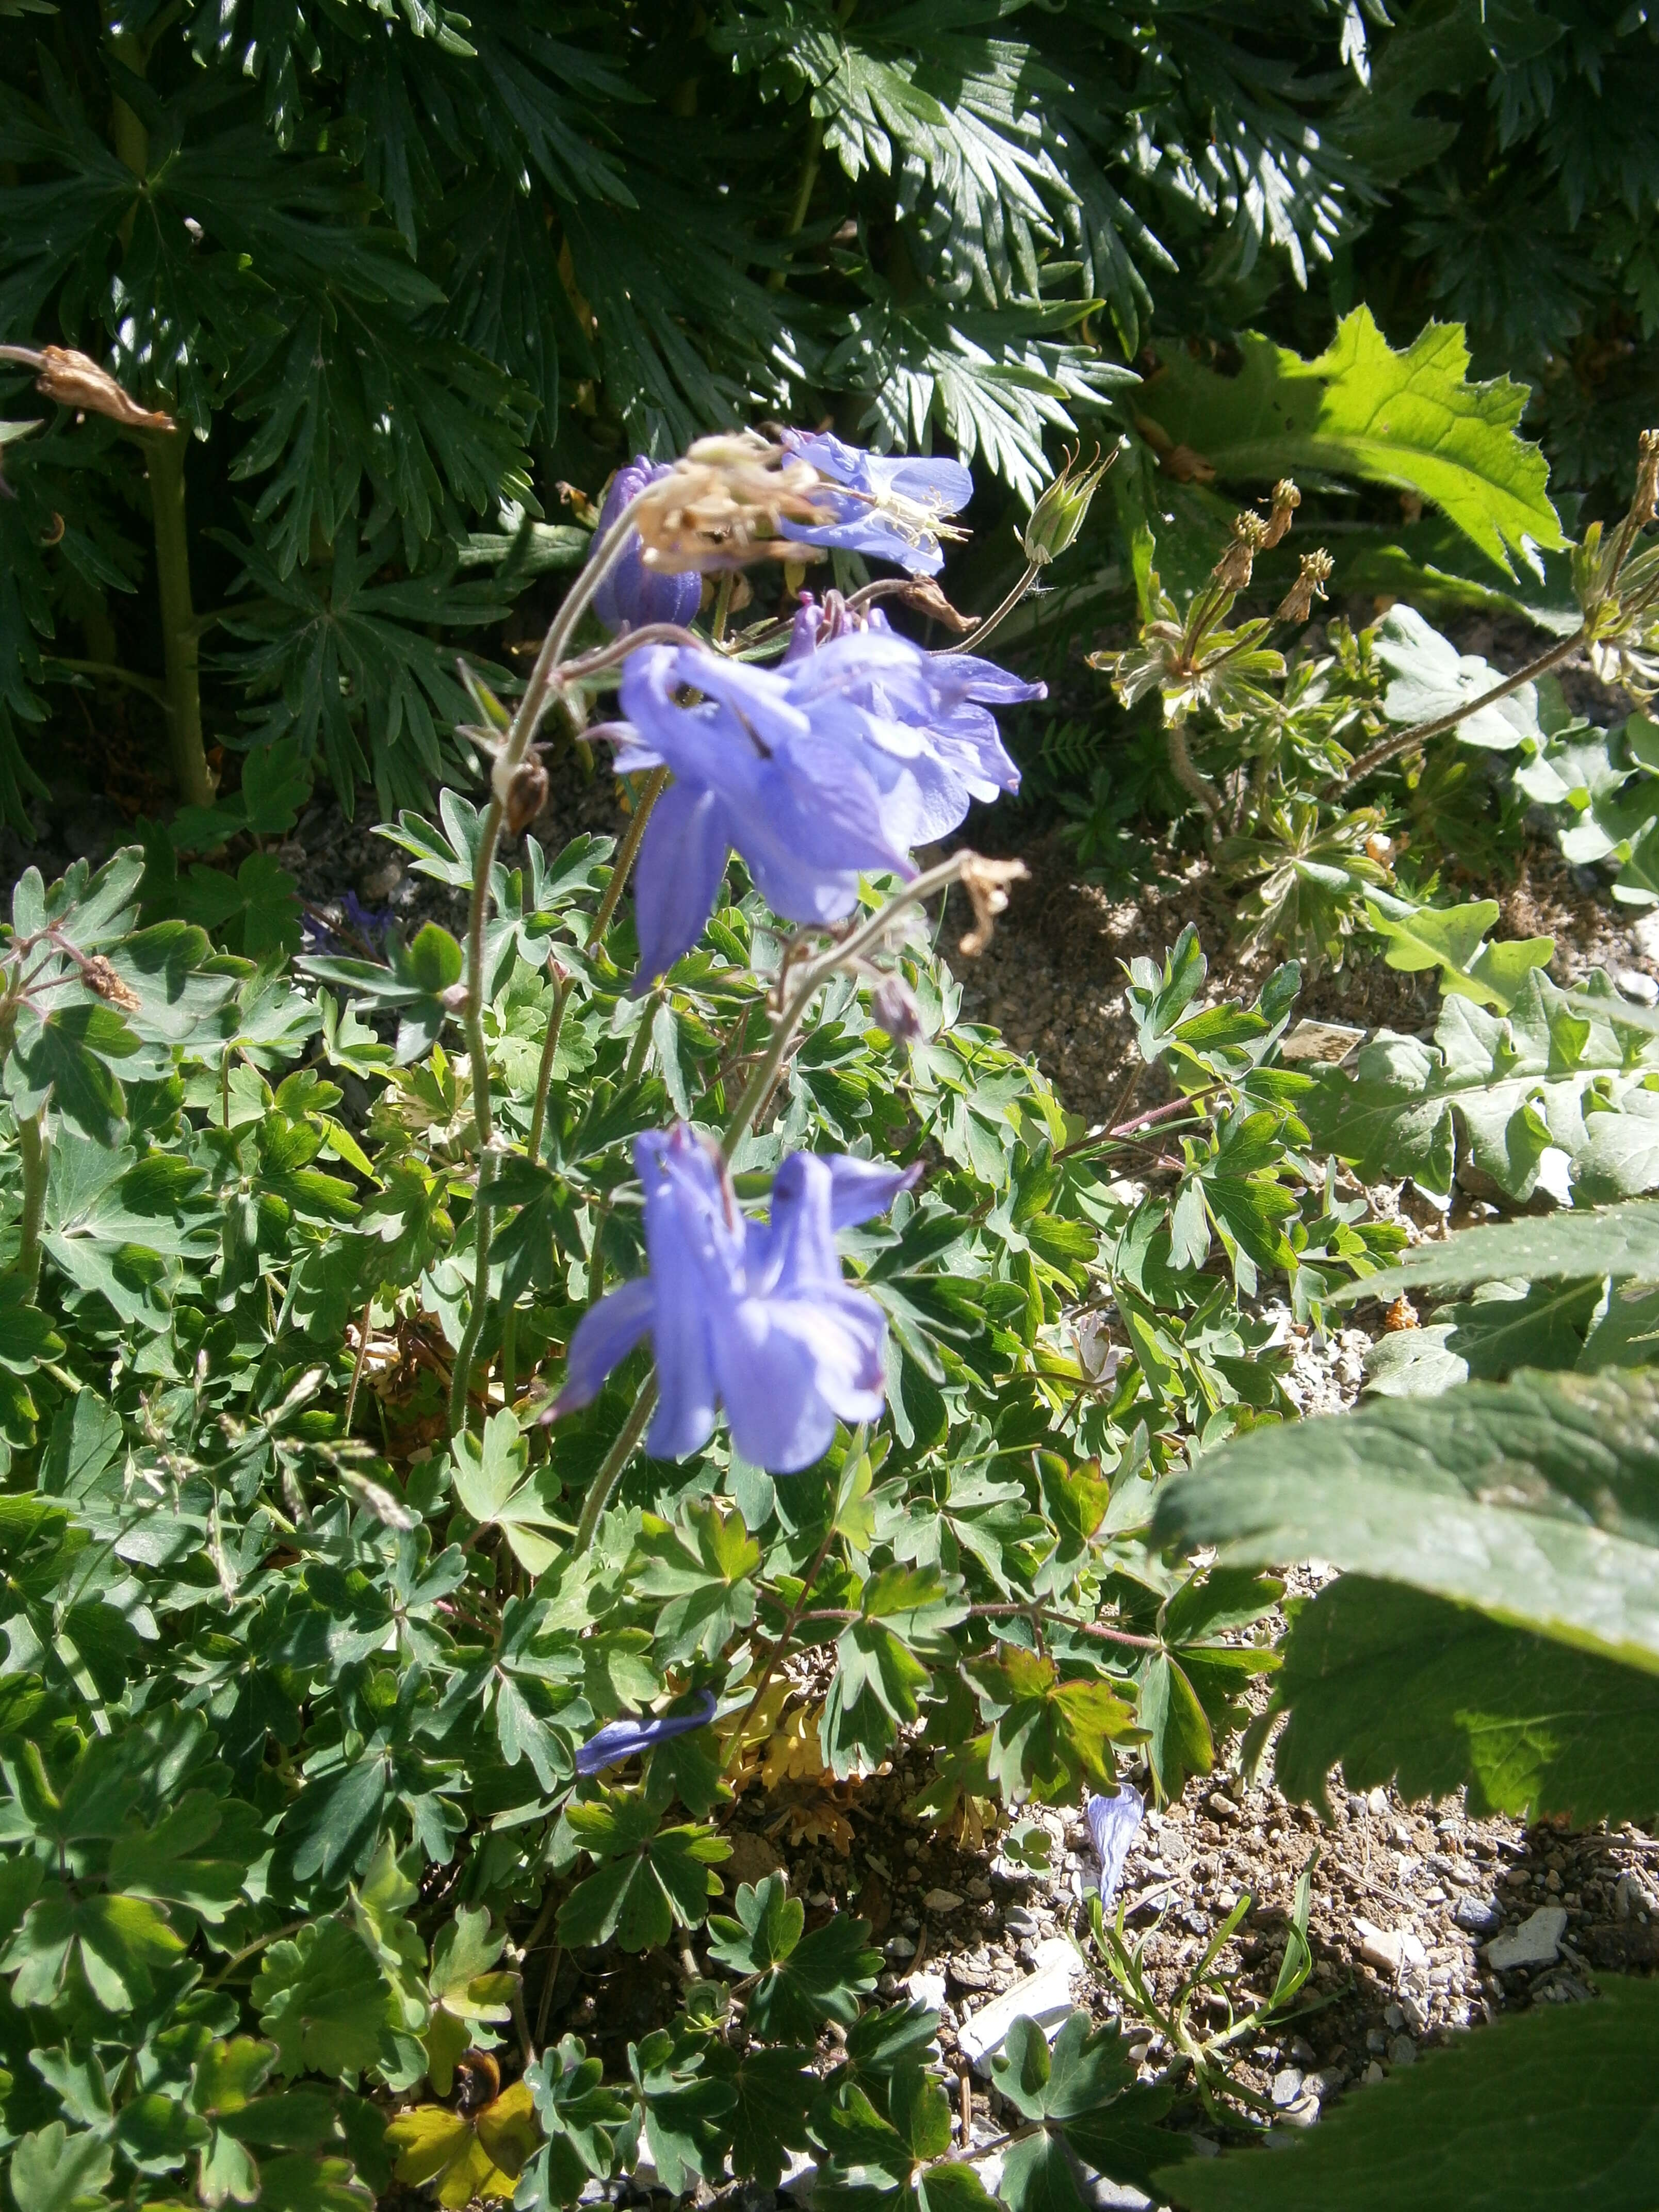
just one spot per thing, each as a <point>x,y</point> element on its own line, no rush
<point>1286,500</point>
<point>894,1006</point>
<point>1059,514</point>
<point>1298,603</point>
<point>1232,570</point>
<point>526,794</point>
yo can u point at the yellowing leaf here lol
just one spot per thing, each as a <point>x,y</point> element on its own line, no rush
<point>482,2156</point>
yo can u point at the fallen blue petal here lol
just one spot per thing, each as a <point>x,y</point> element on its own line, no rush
<point>1112,1822</point>
<point>620,1739</point>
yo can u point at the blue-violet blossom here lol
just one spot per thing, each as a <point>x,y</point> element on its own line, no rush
<point>631,594</point>
<point>837,760</point>
<point>752,1317</point>
<point>619,1740</point>
<point>930,743</point>
<point>892,507</point>
<point>1112,1822</point>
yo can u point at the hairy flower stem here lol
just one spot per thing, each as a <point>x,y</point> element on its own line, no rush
<point>1390,748</point>
<point>998,614</point>
<point>357,1366</point>
<point>545,1071</point>
<point>1191,780</point>
<point>164,453</point>
<point>655,784</point>
<point>467,1351</point>
<point>614,1460</point>
<point>846,954</point>
<point>35,1153</point>
<point>544,678</point>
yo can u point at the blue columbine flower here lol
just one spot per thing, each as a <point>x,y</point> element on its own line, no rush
<point>620,1739</point>
<point>755,1317</point>
<point>892,507</point>
<point>1112,1822</point>
<point>840,759</point>
<point>929,742</point>
<point>755,769</point>
<point>633,594</point>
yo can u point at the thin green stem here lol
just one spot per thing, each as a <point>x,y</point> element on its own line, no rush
<point>180,637</point>
<point>758,1088</point>
<point>467,1351</point>
<point>35,1151</point>
<point>998,614</point>
<point>542,679</point>
<point>1407,740</point>
<point>110,673</point>
<point>545,1071</point>
<point>614,1460</point>
<point>357,1364</point>
<point>655,784</point>
<point>809,177</point>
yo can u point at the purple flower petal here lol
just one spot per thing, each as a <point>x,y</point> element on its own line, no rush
<point>890,508</point>
<point>1112,1822</point>
<point>682,857</point>
<point>605,1336</point>
<point>620,1739</point>
<point>631,594</point>
<point>753,1316</point>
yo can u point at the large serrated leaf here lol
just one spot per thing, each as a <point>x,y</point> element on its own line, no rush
<point>1536,1500</point>
<point>1558,2107</point>
<point>1409,419</point>
<point>1620,1240</point>
<point>1396,1686</point>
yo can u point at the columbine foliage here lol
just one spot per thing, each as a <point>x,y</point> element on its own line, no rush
<point>391,1608</point>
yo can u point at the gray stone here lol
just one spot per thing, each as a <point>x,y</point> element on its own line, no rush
<point>1535,1942</point>
<point>1635,985</point>
<point>1480,1915</point>
<point>1287,2084</point>
<point>1402,2051</point>
<point>942,1900</point>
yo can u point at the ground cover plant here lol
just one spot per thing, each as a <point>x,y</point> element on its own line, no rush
<point>417,1531</point>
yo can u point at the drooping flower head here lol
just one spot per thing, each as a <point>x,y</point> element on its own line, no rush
<point>892,507</point>
<point>931,745</point>
<point>1113,1823</point>
<point>754,1317</point>
<point>620,1739</point>
<point>838,760</point>
<point>631,594</point>
<point>727,502</point>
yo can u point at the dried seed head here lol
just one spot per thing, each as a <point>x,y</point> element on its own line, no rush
<point>98,976</point>
<point>1647,476</point>
<point>1286,500</point>
<point>721,507</point>
<point>526,794</point>
<point>986,883</point>
<point>74,379</point>
<point>1232,570</point>
<point>1059,514</point>
<point>923,595</point>
<point>1298,603</point>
